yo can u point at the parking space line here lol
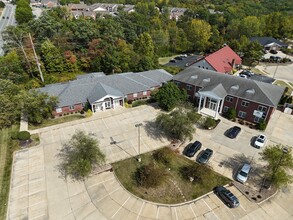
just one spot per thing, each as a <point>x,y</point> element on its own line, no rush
<point>207,204</point>
<point>192,211</point>
<point>158,209</point>
<point>104,123</point>
<point>140,210</point>
<point>120,207</point>
<point>176,213</point>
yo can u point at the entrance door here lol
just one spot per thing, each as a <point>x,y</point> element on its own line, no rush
<point>108,104</point>
<point>213,104</point>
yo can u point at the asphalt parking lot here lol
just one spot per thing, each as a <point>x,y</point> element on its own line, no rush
<point>186,61</point>
<point>38,191</point>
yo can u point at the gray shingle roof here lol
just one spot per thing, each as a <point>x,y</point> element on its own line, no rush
<point>101,90</point>
<point>216,91</point>
<point>96,85</point>
<point>252,90</point>
<point>267,40</point>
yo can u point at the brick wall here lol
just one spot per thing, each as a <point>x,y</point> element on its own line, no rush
<point>140,95</point>
<point>67,110</point>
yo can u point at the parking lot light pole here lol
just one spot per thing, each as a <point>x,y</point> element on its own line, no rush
<point>138,125</point>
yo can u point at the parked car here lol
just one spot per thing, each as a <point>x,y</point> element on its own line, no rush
<point>173,61</point>
<point>179,58</point>
<point>247,73</point>
<point>242,175</point>
<point>243,76</point>
<point>233,132</point>
<point>191,151</point>
<point>227,196</point>
<point>273,51</point>
<point>260,141</point>
<point>205,156</point>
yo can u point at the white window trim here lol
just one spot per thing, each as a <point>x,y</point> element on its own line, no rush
<point>229,99</point>
<point>134,95</point>
<point>188,87</point>
<point>145,93</point>
<point>261,107</point>
<point>58,110</point>
<point>225,108</point>
<point>258,119</point>
<point>71,107</point>
<point>244,103</point>
<point>241,113</point>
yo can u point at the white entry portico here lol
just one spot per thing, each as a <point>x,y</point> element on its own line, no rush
<point>211,100</point>
<point>107,102</point>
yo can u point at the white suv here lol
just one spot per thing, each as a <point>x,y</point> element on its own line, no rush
<point>260,141</point>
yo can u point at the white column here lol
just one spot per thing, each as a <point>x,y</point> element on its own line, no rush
<point>204,101</point>
<point>221,108</point>
<point>199,106</point>
<point>216,115</point>
<point>92,107</point>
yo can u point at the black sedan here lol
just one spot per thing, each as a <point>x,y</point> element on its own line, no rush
<point>205,156</point>
<point>193,149</point>
<point>226,196</point>
<point>233,132</point>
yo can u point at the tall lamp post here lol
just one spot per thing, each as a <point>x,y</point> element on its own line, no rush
<point>138,125</point>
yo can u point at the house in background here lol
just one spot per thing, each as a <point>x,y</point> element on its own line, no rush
<point>223,61</point>
<point>176,13</point>
<point>269,43</point>
<point>215,93</point>
<point>104,92</point>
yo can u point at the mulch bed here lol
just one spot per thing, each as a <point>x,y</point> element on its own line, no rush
<point>253,195</point>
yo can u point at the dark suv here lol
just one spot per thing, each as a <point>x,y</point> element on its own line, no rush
<point>226,196</point>
<point>233,132</point>
<point>205,156</point>
<point>193,149</point>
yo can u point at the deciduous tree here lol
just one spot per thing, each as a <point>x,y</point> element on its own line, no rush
<point>80,156</point>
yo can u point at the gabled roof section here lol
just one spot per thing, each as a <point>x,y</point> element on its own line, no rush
<point>94,86</point>
<point>222,60</point>
<point>215,91</point>
<point>263,93</point>
<point>101,90</point>
<point>267,40</point>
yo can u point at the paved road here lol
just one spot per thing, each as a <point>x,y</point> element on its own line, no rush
<point>7,18</point>
<point>39,192</point>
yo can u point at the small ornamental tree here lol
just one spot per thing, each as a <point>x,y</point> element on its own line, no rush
<point>79,156</point>
<point>231,114</point>
<point>169,95</point>
<point>280,165</point>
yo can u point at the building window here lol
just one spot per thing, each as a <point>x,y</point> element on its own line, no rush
<point>71,107</point>
<point>145,93</point>
<point>83,104</point>
<point>262,108</point>
<point>225,108</point>
<point>58,110</point>
<point>244,103</point>
<point>177,83</point>
<point>134,95</point>
<point>188,87</point>
<point>241,114</point>
<point>257,119</point>
<point>229,99</point>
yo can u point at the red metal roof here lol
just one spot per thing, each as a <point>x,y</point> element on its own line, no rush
<point>222,60</point>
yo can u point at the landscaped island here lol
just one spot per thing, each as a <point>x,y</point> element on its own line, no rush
<point>164,176</point>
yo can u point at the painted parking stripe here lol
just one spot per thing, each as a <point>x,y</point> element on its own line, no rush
<point>120,207</point>
<point>210,209</point>
<point>140,210</point>
<point>192,211</point>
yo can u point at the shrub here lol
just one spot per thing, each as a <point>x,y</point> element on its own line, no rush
<point>149,175</point>
<point>262,125</point>
<point>14,135</point>
<point>89,113</point>
<point>82,112</point>
<point>193,116</point>
<point>23,135</point>
<point>129,102</point>
<point>210,123</point>
<point>163,156</point>
<point>231,114</point>
<point>194,171</point>
<point>139,102</point>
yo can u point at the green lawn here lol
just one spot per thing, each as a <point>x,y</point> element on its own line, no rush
<point>167,192</point>
<point>7,147</point>
<point>56,121</point>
